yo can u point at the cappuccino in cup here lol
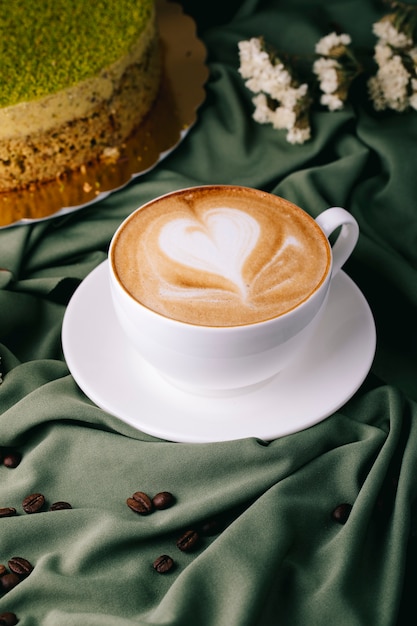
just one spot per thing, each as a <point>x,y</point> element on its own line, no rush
<point>221,256</point>
<point>219,287</point>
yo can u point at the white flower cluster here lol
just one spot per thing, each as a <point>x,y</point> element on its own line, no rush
<point>335,69</point>
<point>328,44</point>
<point>280,100</point>
<point>395,84</point>
<point>385,30</point>
<point>285,103</point>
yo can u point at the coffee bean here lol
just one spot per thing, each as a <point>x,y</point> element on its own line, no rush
<point>133,505</point>
<point>20,566</point>
<point>163,500</point>
<point>3,569</point>
<point>163,564</point>
<point>9,581</point>
<point>137,507</point>
<point>341,513</point>
<point>33,503</point>
<point>7,511</point>
<point>143,499</point>
<point>188,541</point>
<point>12,459</point>
<point>140,503</point>
<point>60,506</point>
<point>8,619</point>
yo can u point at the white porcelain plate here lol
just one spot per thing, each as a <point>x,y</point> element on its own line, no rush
<point>329,373</point>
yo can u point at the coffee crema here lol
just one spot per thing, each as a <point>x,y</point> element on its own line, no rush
<point>220,256</point>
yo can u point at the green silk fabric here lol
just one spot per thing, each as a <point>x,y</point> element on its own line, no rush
<point>279,558</point>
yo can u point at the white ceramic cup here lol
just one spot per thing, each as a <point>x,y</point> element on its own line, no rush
<point>224,360</point>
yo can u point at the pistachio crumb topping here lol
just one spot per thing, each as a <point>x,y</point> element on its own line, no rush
<point>49,45</point>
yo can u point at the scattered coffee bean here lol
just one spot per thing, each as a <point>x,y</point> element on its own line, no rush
<point>163,500</point>
<point>163,564</point>
<point>7,511</point>
<point>140,503</point>
<point>133,505</point>
<point>20,566</point>
<point>11,459</point>
<point>3,569</point>
<point>9,581</point>
<point>33,503</point>
<point>8,619</point>
<point>60,506</point>
<point>188,541</point>
<point>341,513</point>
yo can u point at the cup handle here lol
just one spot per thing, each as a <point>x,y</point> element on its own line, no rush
<point>346,241</point>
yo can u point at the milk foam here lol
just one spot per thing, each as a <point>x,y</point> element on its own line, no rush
<point>219,244</point>
<point>221,259</point>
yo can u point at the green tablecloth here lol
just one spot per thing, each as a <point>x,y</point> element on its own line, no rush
<point>278,556</point>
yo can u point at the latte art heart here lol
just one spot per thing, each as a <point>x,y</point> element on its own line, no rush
<point>219,245</point>
<point>222,256</point>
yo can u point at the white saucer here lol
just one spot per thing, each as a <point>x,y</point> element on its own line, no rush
<point>332,369</point>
